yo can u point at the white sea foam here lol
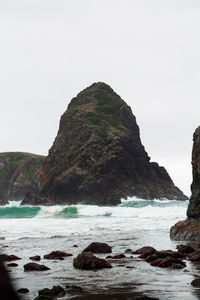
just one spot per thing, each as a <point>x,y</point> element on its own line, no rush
<point>13,203</point>
<point>49,211</point>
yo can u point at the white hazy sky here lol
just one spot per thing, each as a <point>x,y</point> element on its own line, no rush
<point>147,50</point>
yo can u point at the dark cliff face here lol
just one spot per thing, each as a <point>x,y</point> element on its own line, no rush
<point>97,156</point>
<point>193,210</point>
<point>189,229</point>
<point>19,173</point>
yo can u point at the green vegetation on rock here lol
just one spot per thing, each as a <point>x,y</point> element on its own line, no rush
<point>101,110</point>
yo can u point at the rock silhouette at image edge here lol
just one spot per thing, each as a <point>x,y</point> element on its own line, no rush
<point>189,229</point>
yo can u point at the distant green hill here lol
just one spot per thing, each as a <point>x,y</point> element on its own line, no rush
<point>19,174</point>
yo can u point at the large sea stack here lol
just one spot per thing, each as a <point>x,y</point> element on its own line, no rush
<point>189,229</point>
<point>19,173</point>
<point>97,156</point>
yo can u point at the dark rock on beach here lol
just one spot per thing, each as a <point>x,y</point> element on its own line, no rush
<point>194,256</point>
<point>148,253</point>
<point>96,247</point>
<point>19,173</point>
<point>23,291</point>
<point>189,229</point>
<point>12,265</point>
<point>170,253</point>
<point>128,250</point>
<point>185,249</point>
<point>97,156</point>
<point>35,258</point>
<point>88,261</point>
<point>169,261</point>
<point>143,250</point>
<point>5,257</point>
<point>117,256</point>
<point>56,291</point>
<point>57,255</point>
<point>35,267</point>
<point>196,283</point>
<point>163,258</point>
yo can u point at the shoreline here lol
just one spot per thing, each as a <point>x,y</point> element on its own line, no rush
<point>122,228</point>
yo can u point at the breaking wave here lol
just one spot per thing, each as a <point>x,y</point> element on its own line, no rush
<point>131,208</point>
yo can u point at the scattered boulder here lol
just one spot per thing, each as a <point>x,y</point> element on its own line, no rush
<point>36,258</point>
<point>152,255</point>
<point>194,256</point>
<point>162,259</point>
<point>118,256</point>
<point>88,261</point>
<point>196,282</point>
<point>6,257</point>
<point>166,253</point>
<point>35,267</point>
<point>151,258</point>
<point>156,262</point>
<point>23,291</point>
<point>147,253</point>
<point>56,291</point>
<point>128,250</point>
<point>57,255</point>
<point>96,247</point>
<point>169,261</point>
<point>75,246</point>
<point>143,250</point>
<point>185,249</point>
<point>12,265</point>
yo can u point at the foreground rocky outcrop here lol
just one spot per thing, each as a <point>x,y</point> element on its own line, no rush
<point>97,156</point>
<point>189,229</point>
<point>19,173</point>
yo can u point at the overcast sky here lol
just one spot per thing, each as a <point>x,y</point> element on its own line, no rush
<point>147,50</point>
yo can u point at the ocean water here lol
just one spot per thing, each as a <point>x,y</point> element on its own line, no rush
<point>37,230</point>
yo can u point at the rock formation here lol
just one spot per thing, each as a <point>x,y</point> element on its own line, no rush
<point>189,229</point>
<point>19,173</point>
<point>97,156</point>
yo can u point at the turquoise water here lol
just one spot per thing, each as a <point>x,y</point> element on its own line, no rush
<point>16,212</point>
<point>133,208</point>
<point>154,203</point>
